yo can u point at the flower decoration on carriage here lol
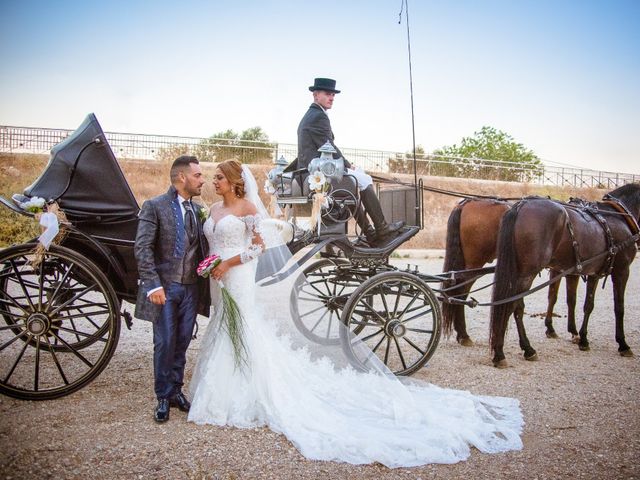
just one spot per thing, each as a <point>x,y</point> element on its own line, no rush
<point>33,205</point>
<point>50,221</point>
<point>232,320</point>
<point>318,182</point>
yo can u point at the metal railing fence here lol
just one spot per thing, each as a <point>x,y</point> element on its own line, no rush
<point>166,148</point>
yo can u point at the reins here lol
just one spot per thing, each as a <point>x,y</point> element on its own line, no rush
<point>560,276</point>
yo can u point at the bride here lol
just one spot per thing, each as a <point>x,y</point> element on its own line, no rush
<point>327,410</point>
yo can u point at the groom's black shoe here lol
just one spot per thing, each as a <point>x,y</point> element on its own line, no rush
<point>161,413</point>
<point>180,401</point>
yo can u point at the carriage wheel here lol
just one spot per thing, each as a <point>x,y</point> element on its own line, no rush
<point>397,317</point>
<point>342,206</point>
<point>62,322</point>
<point>317,299</point>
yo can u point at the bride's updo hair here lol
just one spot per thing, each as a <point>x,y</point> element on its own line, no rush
<point>232,169</point>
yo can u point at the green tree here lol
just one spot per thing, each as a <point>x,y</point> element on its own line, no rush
<point>250,146</point>
<point>492,154</point>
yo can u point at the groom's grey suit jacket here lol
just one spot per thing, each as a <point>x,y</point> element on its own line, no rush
<point>159,249</point>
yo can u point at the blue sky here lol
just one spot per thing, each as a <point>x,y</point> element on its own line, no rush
<point>562,77</point>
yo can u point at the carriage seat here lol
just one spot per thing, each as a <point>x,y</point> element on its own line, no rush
<point>378,254</point>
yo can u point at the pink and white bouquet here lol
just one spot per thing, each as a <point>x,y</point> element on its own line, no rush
<point>232,320</point>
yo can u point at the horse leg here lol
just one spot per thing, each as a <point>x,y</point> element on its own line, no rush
<point>572,290</point>
<point>459,321</point>
<point>552,297</point>
<point>592,284</point>
<point>497,342</point>
<point>619,280</point>
<point>518,313</point>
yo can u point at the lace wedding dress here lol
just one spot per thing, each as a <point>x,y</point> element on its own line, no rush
<point>330,413</point>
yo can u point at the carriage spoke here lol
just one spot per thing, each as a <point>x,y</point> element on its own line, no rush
<point>73,350</point>
<point>21,282</point>
<point>9,327</point>
<point>415,297</point>
<point>415,317</point>
<point>382,319</point>
<point>420,330</point>
<point>404,364</point>
<point>364,339</point>
<point>86,315</point>
<point>7,300</point>
<point>422,352</point>
<point>364,323</point>
<point>9,342</point>
<point>318,322</point>
<point>312,311</point>
<point>379,343</point>
<point>384,300</point>
<point>397,302</point>
<point>79,333</point>
<point>40,284</point>
<point>329,324</point>
<point>55,360</point>
<point>61,282</point>
<point>72,299</point>
<point>386,350</point>
<point>15,364</point>
<point>36,376</point>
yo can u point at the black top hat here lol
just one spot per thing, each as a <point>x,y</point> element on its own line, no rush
<point>326,84</point>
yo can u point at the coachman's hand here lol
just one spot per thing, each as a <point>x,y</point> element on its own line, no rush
<point>158,297</point>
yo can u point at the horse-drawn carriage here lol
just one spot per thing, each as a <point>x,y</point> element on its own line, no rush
<point>62,307</point>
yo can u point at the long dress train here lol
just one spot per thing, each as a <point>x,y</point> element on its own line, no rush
<point>331,413</point>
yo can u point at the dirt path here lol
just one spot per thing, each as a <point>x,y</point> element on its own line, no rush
<point>580,409</point>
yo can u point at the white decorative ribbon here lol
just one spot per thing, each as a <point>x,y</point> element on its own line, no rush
<point>51,228</point>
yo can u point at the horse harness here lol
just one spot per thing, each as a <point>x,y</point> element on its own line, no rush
<point>592,210</point>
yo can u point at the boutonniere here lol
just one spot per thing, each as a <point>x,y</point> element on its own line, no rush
<point>203,213</point>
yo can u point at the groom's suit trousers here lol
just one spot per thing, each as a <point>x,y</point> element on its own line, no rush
<point>171,337</point>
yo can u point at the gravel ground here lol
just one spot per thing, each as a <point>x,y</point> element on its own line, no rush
<point>580,409</point>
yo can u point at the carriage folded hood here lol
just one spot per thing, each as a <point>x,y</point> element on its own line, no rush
<point>84,177</point>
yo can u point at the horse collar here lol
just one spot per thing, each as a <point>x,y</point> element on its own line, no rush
<point>620,207</point>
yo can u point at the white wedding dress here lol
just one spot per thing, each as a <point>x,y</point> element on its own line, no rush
<point>327,412</point>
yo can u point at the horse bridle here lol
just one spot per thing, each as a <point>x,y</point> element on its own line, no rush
<point>628,216</point>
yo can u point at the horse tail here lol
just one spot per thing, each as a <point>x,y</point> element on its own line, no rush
<point>505,274</point>
<point>453,260</point>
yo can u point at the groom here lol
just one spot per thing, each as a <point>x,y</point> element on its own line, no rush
<point>168,247</point>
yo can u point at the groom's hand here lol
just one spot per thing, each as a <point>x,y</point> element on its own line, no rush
<point>158,297</point>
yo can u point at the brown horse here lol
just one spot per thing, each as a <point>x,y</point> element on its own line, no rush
<point>472,237</point>
<point>538,233</point>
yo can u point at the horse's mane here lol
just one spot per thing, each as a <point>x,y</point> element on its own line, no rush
<point>630,191</point>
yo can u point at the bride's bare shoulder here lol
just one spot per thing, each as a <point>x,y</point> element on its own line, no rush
<point>248,208</point>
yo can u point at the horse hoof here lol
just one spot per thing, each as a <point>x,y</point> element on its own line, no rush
<point>575,339</point>
<point>552,335</point>
<point>501,364</point>
<point>532,358</point>
<point>586,348</point>
<point>626,353</point>
<point>466,342</point>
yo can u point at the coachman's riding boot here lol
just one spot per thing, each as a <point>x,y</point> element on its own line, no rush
<point>363,222</point>
<point>372,206</point>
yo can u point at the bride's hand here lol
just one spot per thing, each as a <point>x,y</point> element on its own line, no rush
<point>220,270</point>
